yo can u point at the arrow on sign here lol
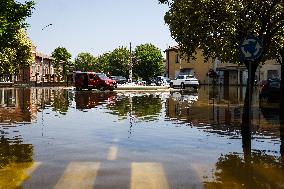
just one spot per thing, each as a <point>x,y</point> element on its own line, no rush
<point>257,47</point>
<point>246,53</point>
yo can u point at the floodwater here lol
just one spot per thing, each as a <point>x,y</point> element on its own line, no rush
<point>58,138</point>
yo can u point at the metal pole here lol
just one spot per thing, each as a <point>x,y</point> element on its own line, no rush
<point>42,63</point>
<point>249,78</point>
<point>42,70</point>
<point>130,67</point>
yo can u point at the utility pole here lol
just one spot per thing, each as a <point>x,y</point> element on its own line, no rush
<point>42,63</point>
<point>130,66</point>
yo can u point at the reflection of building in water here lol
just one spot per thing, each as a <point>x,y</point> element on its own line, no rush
<point>16,106</point>
<point>222,107</point>
<point>22,104</point>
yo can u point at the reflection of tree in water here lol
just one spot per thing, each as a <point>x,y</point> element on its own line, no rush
<point>121,107</point>
<point>145,107</point>
<point>61,101</point>
<point>262,171</point>
<point>14,160</point>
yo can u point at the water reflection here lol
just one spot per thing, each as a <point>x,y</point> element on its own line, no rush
<point>15,159</point>
<point>173,129</point>
<point>262,171</point>
<point>15,106</point>
<point>142,106</point>
<point>216,108</point>
<point>92,99</point>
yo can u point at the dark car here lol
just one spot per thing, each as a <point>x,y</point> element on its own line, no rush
<point>119,79</point>
<point>161,80</point>
<point>270,91</point>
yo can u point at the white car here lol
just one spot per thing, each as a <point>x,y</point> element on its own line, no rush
<point>183,81</point>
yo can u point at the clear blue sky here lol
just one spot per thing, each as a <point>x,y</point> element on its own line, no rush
<point>98,26</point>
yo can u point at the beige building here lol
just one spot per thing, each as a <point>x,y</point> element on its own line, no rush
<point>229,74</point>
<point>182,65</point>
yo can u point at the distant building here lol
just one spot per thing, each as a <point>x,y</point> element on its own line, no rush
<point>42,69</point>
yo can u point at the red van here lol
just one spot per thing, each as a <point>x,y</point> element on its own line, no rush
<point>92,80</point>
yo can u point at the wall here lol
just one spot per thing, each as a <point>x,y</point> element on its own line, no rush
<point>198,67</point>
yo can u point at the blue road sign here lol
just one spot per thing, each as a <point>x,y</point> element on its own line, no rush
<point>251,48</point>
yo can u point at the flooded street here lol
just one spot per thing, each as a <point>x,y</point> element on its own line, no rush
<point>58,138</point>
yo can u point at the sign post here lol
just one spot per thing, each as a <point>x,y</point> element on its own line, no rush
<point>250,50</point>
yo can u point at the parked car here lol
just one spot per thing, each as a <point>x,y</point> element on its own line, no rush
<point>92,80</point>
<point>141,82</point>
<point>119,79</point>
<point>270,91</point>
<point>151,82</point>
<point>161,80</point>
<point>183,81</point>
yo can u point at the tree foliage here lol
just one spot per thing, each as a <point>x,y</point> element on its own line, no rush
<point>86,62</point>
<point>148,61</point>
<point>115,62</point>
<point>119,61</point>
<point>61,55</point>
<point>218,26</point>
<point>12,17</point>
<point>18,55</point>
<point>103,62</point>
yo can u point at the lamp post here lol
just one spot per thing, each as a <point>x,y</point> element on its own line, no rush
<point>42,60</point>
<point>130,66</point>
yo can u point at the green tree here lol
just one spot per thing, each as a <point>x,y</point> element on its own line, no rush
<point>18,56</point>
<point>115,62</point>
<point>119,61</point>
<point>218,26</point>
<point>61,55</point>
<point>12,17</point>
<point>148,61</point>
<point>85,62</point>
<point>103,62</point>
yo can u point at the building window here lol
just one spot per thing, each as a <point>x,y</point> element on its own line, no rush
<point>177,58</point>
<point>272,74</point>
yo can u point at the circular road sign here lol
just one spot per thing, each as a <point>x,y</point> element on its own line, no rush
<point>251,48</point>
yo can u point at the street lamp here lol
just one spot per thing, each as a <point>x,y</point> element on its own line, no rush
<point>42,58</point>
<point>130,66</point>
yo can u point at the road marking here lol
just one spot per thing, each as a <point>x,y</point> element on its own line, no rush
<point>28,172</point>
<point>79,175</point>
<point>112,153</point>
<point>148,175</point>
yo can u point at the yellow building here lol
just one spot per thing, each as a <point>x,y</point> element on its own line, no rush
<point>229,73</point>
<point>176,64</point>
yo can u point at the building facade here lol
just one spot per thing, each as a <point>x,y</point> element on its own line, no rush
<point>41,70</point>
<point>229,74</point>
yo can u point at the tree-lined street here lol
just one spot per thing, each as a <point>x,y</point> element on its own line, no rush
<point>204,112</point>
